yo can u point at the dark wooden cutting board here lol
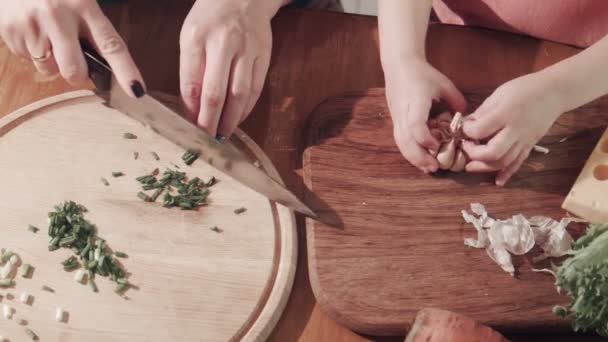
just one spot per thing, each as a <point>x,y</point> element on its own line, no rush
<point>395,244</point>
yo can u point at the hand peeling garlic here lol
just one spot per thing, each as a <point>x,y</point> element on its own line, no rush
<point>446,129</point>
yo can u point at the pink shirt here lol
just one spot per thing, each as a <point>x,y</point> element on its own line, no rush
<point>576,22</point>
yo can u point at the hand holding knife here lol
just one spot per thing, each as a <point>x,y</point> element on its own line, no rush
<point>224,157</point>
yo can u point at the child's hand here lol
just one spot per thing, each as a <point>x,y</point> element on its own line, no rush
<point>514,118</point>
<point>411,87</point>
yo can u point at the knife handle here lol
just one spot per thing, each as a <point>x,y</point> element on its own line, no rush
<point>100,71</point>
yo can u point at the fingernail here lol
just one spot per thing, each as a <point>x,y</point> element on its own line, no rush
<point>500,183</point>
<point>137,89</point>
<point>220,139</point>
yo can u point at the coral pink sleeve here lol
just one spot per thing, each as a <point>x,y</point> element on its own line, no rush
<point>576,22</point>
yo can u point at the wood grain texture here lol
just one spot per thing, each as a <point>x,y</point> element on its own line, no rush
<point>435,325</point>
<point>399,247</point>
<point>191,283</point>
<point>315,55</point>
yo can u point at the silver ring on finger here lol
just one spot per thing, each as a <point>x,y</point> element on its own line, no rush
<point>42,58</point>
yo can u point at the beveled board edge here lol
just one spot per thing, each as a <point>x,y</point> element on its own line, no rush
<point>278,288</point>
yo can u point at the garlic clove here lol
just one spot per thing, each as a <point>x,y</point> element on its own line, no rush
<point>460,162</point>
<point>446,155</point>
<point>444,117</point>
<point>456,123</point>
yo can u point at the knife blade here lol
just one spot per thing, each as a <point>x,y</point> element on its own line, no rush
<point>169,124</point>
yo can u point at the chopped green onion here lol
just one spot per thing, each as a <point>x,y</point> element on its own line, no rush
<point>120,254</point>
<point>25,270</point>
<point>155,155</point>
<point>47,289</point>
<point>6,282</point>
<point>121,289</point>
<point>135,155</point>
<point>128,135</point>
<point>33,229</point>
<point>211,182</point>
<point>240,210</point>
<point>189,157</point>
<point>143,196</point>
<point>216,229</point>
<point>116,174</point>
<point>31,334</point>
<point>6,255</point>
<point>91,282</point>
<point>105,181</point>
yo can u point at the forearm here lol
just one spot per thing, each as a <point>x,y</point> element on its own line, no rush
<point>581,78</point>
<point>402,25</point>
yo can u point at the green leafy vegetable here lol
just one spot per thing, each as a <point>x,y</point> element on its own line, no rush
<point>584,277</point>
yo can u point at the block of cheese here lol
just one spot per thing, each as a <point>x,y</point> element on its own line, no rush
<point>588,197</point>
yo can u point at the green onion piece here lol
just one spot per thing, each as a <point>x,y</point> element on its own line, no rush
<point>143,196</point>
<point>67,240</point>
<point>33,229</point>
<point>69,261</point>
<point>91,282</point>
<point>6,255</point>
<point>31,334</point>
<point>105,181</point>
<point>120,254</point>
<point>135,155</point>
<point>70,267</point>
<point>90,265</point>
<point>216,229</point>
<point>155,155</point>
<point>116,174</point>
<point>121,289</point>
<point>211,182</point>
<point>25,270</point>
<point>240,210</point>
<point>128,135</point>
<point>189,157</point>
<point>122,281</point>
<point>6,282</point>
<point>47,289</point>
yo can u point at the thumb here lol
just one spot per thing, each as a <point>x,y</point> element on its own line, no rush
<point>481,125</point>
<point>453,96</point>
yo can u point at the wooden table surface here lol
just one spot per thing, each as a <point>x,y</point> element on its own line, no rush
<point>315,55</point>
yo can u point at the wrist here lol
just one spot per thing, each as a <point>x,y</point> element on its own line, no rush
<point>402,63</point>
<point>559,88</point>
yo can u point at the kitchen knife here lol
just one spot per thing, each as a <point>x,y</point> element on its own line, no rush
<point>164,121</point>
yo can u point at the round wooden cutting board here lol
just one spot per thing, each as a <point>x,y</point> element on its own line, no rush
<point>191,283</point>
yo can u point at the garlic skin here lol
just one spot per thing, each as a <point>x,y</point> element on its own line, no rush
<point>444,117</point>
<point>460,162</point>
<point>446,155</point>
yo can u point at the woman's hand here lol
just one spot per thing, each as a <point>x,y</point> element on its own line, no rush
<point>47,32</point>
<point>225,53</point>
<point>514,118</point>
<point>411,87</point>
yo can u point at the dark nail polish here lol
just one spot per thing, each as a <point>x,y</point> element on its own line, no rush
<point>220,139</point>
<point>138,89</point>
